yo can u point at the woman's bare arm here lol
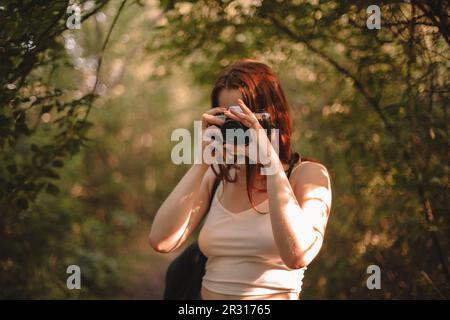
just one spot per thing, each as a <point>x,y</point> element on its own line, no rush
<point>183,209</point>
<point>299,213</point>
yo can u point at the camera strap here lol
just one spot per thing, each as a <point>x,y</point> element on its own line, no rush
<point>294,158</point>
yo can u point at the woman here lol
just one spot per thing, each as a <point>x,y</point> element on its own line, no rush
<point>261,231</point>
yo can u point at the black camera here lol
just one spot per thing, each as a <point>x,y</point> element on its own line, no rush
<point>235,133</point>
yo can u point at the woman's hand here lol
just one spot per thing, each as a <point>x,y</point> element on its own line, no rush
<point>210,121</point>
<point>246,117</point>
<point>210,117</point>
<point>263,146</point>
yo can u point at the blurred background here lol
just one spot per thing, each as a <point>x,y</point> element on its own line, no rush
<point>88,103</point>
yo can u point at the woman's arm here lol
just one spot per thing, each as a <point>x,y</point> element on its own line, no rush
<point>299,213</point>
<point>183,209</point>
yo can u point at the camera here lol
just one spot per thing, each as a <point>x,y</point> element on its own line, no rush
<point>235,133</point>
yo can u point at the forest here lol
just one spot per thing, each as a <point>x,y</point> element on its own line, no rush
<point>91,90</point>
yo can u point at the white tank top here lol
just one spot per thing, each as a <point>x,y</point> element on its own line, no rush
<point>243,258</point>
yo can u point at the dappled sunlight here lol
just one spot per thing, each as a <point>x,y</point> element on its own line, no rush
<point>87,114</point>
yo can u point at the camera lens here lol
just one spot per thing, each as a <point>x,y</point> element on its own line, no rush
<point>233,132</point>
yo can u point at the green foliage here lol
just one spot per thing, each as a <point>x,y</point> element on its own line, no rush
<point>66,198</point>
<point>370,104</point>
<point>82,172</point>
<point>42,125</point>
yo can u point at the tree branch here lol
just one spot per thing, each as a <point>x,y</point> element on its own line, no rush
<point>358,84</point>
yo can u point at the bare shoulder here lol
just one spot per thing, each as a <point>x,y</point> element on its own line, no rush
<point>311,172</point>
<point>311,180</point>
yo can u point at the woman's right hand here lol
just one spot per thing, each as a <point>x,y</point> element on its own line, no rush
<point>185,206</point>
<point>210,118</point>
<point>211,121</point>
<point>182,211</point>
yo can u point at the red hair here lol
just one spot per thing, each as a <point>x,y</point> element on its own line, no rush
<point>261,92</point>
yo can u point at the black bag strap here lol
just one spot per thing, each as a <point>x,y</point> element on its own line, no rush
<point>294,159</point>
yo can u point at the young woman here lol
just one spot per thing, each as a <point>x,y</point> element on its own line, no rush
<point>261,231</point>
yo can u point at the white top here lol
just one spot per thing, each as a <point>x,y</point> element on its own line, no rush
<point>243,258</point>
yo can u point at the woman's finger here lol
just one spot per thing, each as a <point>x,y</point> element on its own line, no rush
<point>233,115</point>
<point>215,110</point>
<point>247,120</point>
<point>244,108</point>
<point>247,111</point>
<point>239,116</point>
<point>211,119</point>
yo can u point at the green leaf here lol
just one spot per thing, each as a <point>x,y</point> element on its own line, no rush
<point>12,168</point>
<point>73,146</point>
<point>58,164</point>
<point>34,148</point>
<point>46,108</point>
<point>52,189</point>
<point>51,174</point>
<point>22,203</point>
<point>30,186</point>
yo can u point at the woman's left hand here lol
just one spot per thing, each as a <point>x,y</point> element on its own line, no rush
<point>246,117</point>
<point>263,144</point>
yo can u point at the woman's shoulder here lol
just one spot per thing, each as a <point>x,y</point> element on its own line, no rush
<point>311,180</point>
<point>309,170</point>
